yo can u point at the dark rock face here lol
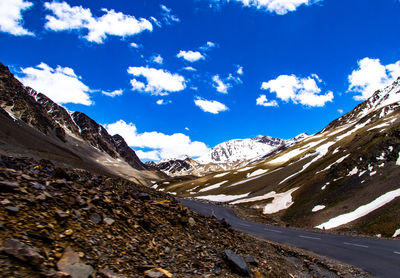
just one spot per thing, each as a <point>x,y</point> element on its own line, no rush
<point>237,263</point>
<point>40,112</point>
<point>16,98</point>
<point>127,153</point>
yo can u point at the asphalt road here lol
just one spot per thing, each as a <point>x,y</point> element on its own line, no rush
<point>380,257</point>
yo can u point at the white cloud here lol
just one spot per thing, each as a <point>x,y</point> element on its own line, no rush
<point>299,90</point>
<point>191,56</point>
<point>263,101</point>
<point>189,68</point>
<point>279,7</point>
<point>186,128</point>
<point>371,76</point>
<point>161,145</point>
<point>158,59</point>
<point>163,102</point>
<point>158,81</point>
<point>168,17</point>
<point>135,45</point>
<point>61,84</point>
<point>208,46</point>
<point>113,93</point>
<point>78,18</point>
<point>11,20</point>
<point>340,111</point>
<point>155,20</point>
<point>240,70</point>
<point>211,106</point>
<point>220,85</point>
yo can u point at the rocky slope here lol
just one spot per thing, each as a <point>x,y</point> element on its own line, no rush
<point>67,135</point>
<point>344,178</point>
<point>57,222</point>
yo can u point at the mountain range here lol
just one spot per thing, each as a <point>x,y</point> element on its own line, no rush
<point>228,155</point>
<point>34,125</point>
<point>345,177</point>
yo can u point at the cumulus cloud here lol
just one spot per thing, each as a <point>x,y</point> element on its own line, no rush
<point>78,18</point>
<point>340,111</point>
<point>211,106</point>
<point>190,56</point>
<point>371,76</point>
<point>163,102</point>
<point>113,93</point>
<point>11,20</point>
<point>279,7</point>
<point>158,81</point>
<point>157,59</point>
<point>157,145</point>
<point>61,84</point>
<point>263,101</point>
<point>299,90</point>
<point>221,86</point>
<point>168,17</point>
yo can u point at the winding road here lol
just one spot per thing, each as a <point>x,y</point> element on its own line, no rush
<point>380,257</point>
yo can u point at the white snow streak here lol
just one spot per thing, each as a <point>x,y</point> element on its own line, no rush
<point>396,233</point>
<point>211,187</point>
<point>317,208</point>
<point>360,211</point>
<point>221,175</point>
<point>280,201</point>
<point>257,173</point>
<point>222,197</point>
<point>398,160</point>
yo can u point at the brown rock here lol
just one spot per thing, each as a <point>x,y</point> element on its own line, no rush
<point>71,264</point>
<point>22,252</point>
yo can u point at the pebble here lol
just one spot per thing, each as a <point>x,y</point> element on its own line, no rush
<point>108,221</point>
<point>95,218</point>
<point>12,209</point>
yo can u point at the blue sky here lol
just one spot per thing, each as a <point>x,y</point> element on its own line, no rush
<point>178,77</point>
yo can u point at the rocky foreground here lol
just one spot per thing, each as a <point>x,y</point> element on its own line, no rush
<point>70,223</point>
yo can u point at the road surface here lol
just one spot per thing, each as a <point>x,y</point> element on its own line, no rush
<point>380,257</point>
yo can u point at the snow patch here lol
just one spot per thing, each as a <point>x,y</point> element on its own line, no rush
<point>245,169</point>
<point>353,172</point>
<point>360,211</point>
<point>222,197</point>
<point>398,160</point>
<point>317,208</point>
<point>280,201</point>
<point>396,233</point>
<point>257,173</point>
<point>211,187</point>
<point>221,175</point>
<point>326,184</point>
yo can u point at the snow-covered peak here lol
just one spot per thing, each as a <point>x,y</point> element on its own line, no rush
<point>237,150</point>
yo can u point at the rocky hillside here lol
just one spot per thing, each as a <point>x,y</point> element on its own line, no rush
<point>57,222</point>
<point>67,135</point>
<point>343,178</point>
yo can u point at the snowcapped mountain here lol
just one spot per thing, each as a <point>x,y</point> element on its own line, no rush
<point>345,177</point>
<point>239,150</point>
<point>227,155</point>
